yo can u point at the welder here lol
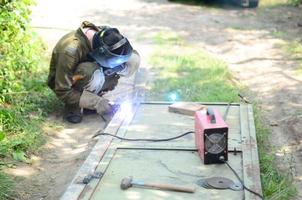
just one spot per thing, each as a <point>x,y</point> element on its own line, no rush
<point>87,63</point>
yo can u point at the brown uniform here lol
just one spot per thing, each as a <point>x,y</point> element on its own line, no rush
<point>69,52</point>
<point>72,71</point>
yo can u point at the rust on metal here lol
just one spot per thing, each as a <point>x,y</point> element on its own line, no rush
<point>251,170</point>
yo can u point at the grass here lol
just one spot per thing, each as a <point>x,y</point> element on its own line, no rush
<point>6,186</point>
<point>190,73</point>
<point>195,75</point>
<point>279,34</point>
<point>294,51</point>
<point>276,184</point>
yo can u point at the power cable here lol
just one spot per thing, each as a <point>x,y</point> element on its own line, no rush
<point>145,140</point>
<point>242,183</point>
<point>227,110</point>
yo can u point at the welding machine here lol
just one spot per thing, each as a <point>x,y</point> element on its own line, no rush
<point>211,136</point>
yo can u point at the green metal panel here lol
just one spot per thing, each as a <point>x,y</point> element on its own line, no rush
<point>175,162</point>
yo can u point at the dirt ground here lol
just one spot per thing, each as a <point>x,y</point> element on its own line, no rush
<point>246,39</point>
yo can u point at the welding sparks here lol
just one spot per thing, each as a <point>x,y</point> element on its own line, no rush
<point>126,107</point>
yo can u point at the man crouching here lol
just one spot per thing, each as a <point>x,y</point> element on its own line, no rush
<point>86,63</point>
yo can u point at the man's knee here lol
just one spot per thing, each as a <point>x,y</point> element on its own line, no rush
<point>89,76</point>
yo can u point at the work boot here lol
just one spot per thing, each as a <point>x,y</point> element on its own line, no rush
<point>89,112</point>
<point>72,114</point>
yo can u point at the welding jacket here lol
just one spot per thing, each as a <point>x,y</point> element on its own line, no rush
<point>69,52</point>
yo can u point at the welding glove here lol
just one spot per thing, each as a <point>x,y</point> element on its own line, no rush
<point>92,101</point>
<point>110,82</point>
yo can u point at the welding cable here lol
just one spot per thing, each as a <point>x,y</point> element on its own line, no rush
<point>246,188</point>
<point>227,110</point>
<point>144,140</point>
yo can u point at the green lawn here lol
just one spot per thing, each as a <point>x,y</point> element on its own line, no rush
<point>294,51</point>
<point>6,184</point>
<point>191,74</point>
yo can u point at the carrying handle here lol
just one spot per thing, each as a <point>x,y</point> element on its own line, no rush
<point>210,112</point>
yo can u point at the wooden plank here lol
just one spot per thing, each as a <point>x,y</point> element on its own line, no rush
<point>255,158</point>
<point>250,161</point>
<point>186,108</point>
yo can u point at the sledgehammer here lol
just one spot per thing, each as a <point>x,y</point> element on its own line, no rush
<point>129,182</point>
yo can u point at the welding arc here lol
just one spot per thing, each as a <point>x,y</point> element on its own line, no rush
<point>145,140</point>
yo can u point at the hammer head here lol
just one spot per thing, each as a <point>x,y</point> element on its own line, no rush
<point>126,183</point>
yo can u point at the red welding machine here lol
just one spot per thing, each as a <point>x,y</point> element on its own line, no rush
<point>211,136</point>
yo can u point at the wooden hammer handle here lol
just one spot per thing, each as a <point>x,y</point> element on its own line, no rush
<point>170,187</point>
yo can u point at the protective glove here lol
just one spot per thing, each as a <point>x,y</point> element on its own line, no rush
<point>110,82</point>
<point>92,101</point>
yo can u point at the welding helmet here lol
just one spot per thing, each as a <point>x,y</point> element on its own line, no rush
<point>110,48</point>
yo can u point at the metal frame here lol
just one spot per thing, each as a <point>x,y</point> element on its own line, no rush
<point>103,152</point>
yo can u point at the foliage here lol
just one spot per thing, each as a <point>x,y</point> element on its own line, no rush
<point>22,88</point>
<point>18,48</point>
<point>295,2</point>
<point>197,76</point>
